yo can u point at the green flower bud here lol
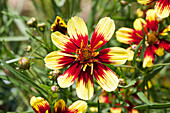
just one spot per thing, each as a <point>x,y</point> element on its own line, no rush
<point>41,27</point>
<point>32,22</point>
<point>24,63</point>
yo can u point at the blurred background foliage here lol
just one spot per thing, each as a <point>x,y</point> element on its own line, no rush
<point>17,85</point>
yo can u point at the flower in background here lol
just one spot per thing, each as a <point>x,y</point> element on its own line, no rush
<point>85,60</point>
<point>155,45</point>
<point>59,25</point>
<point>162,7</point>
<point>40,105</point>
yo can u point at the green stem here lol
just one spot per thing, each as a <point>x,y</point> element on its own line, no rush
<point>164,64</point>
<point>34,76</point>
<point>45,41</point>
<point>33,51</point>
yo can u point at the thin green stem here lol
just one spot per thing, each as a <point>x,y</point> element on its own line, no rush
<point>34,76</point>
<point>164,64</point>
<point>33,51</point>
<point>45,41</point>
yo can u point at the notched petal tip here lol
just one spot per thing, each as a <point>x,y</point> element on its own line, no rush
<point>102,33</point>
<point>84,85</point>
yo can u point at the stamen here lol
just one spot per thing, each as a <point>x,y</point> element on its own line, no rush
<point>99,43</point>
<point>82,44</point>
<point>84,68</point>
<point>91,68</point>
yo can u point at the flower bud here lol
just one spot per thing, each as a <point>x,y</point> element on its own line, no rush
<point>54,74</point>
<point>54,89</point>
<point>134,46</point>
<point>122,82</point>
<point>32,22</point>
<point>28,48</point>
<point>24,63</point>
<point>41,27</point>
<point>123,2</point>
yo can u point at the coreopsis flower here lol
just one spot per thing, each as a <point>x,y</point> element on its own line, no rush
<point>83,59</point>
<point>155,45</point>
<point>162,7</point>
<point>40,105</point>
<point>59,25</point>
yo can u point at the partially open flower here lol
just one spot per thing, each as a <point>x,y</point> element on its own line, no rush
<point>32,22</point>
<point>24,63</point>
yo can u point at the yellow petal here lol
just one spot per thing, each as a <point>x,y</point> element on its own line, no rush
<point>84,85</point>
<point>102,33</point>
<point>69,76</point>
<point>60,106</point>
<point>162,8</point>
<point>160,51</point>
<point>165,31</point>
<point>148,57</point>
<point>115,110</point>
<point>58,60</point>
<point>113,55</point>
<point>145,2</point>
<point>124,35</point>
<point>139,24</point>
<point>105,77</point>
<point>131,54</point>
<point>77,31</point>
<point>63,42</point>
<point>78,107</point>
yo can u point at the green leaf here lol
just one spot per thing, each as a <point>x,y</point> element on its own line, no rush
<point>153,106</point>
<point>17,83</point>
<point>136,52</point>
<point>8,51</point>
<point>143,46</point>
<point>153,72</point>
<point>47,88</point>
<point>13,38</point>
<point>143,98</point>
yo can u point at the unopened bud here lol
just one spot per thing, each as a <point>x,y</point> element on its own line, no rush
<point>134,46</point>
<point>54,89</point>
<point>123,2</point>
<point>24,63</point>
<point>32,22</point>
<point>122,82</point>
<point>54,74</point>
<point>28,48</point>
<point>41,27</point>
